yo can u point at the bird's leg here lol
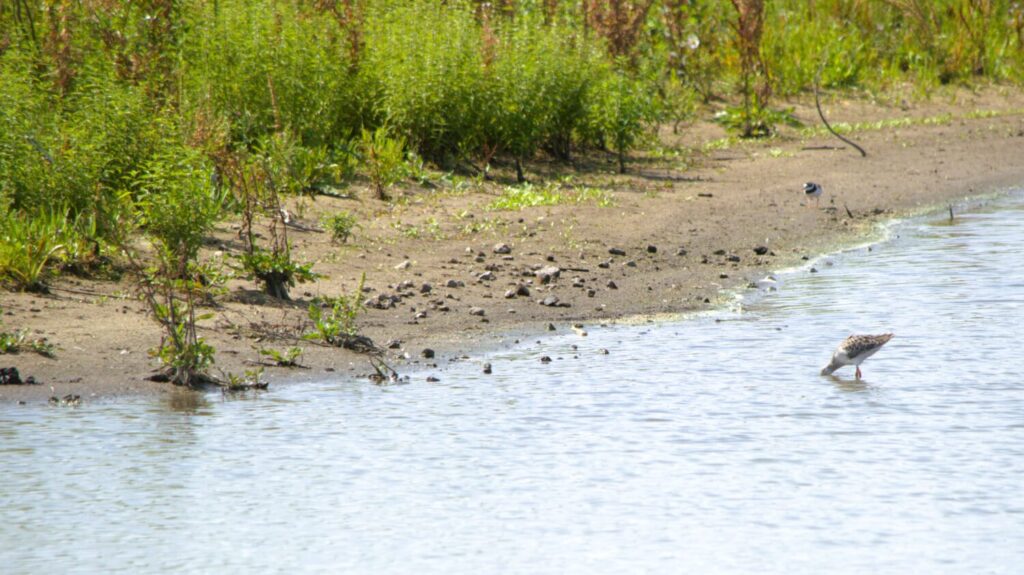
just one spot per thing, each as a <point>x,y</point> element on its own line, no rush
<point>858,372</point>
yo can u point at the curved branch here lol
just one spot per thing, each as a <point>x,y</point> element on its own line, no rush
<point>817,104</point>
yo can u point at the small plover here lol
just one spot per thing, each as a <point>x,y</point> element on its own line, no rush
<point>812,190</point>
<point>854,350</point>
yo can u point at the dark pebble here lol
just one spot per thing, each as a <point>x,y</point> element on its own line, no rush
<point>487,368</point>
<point>652,249</point>
<point>427,353</point>
<point>616,252</point>
<point>432,379</point>
<point>611,285</point>
<point>761,250</point>
<point>545,359</point>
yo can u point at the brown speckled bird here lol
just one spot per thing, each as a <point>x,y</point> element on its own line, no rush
<point>854,350</point>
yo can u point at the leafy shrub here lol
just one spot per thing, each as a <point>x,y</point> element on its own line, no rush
<point>266,66</point>
<point>619,108</point>
<point>341,225</point>
<point>276,271</point>
<point>756,122</point>
<point>338,325</point>
<point>428,81</point>
<point>27,246</point>
<point>179,203</point>
<point>384,157</point>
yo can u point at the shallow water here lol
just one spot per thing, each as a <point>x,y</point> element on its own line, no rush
<point>708,445</point>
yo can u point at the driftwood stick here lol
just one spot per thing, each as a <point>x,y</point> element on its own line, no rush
<point>817,104</point>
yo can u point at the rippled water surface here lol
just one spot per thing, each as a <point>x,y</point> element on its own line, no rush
<point>709,445</point>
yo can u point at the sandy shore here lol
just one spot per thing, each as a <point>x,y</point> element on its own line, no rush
<point>688,222</point>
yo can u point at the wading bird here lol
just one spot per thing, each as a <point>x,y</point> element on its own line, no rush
<point>854,350</point>
<point>812,190</point>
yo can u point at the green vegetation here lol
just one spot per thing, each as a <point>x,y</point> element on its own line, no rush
<point>337,325</point>
<point>287,358</point>
<point>17,341</point>
<point>341,225</point>
<point>515,198</point>
<point>129,130</point>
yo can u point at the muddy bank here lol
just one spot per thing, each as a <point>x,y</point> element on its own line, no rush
<point>450,270</point>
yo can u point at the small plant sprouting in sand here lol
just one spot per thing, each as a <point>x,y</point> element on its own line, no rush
<point>287,358</point>
<point>515,198</point>
<point>336,325</point>
<point>251,379</point>
<point>384,157</point>
<point>17,341</point>
<point>341,225</point>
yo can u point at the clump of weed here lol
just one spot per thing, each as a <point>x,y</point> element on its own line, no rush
<point>335,320</point>
<point>341,225</point>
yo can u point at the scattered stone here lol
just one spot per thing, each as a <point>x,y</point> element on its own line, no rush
<point>814,270</point>
<point>487,368</point>
<point>550,257</point>
<point>551,327</point>
<point>70,399</point>
<point>602,351</point>
<point>616,251</point>
<point>420,315</point>
<point>407,284</point>
<point>443,307</point>
<point>404,265</point>
<point>509,294</point>
<point>545,359</point>
<point>10,376</point>
<point>719,252</point>
<point>477,311</point>
<point>427,353</point>
<point>630,264</point>
<point>523,290</point>
<point>486,276</point>
<point>393,344</point>
<point>761,250</point>
<point>547,273</point>
<point>432,379</point>
<point>611,285</point>
<point>681,252</point>
<point>502,249</point>
<point>605,264</point>
<point>426,288</point>
<point>382,301</point>
<point>578,328</point>
<point>652,249</point>
<point>733,258</point>
<point>723,276</point>
<point>705,195</point>
<point>591,292</point>
<point>455,284</point>
<point>550,301</point>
